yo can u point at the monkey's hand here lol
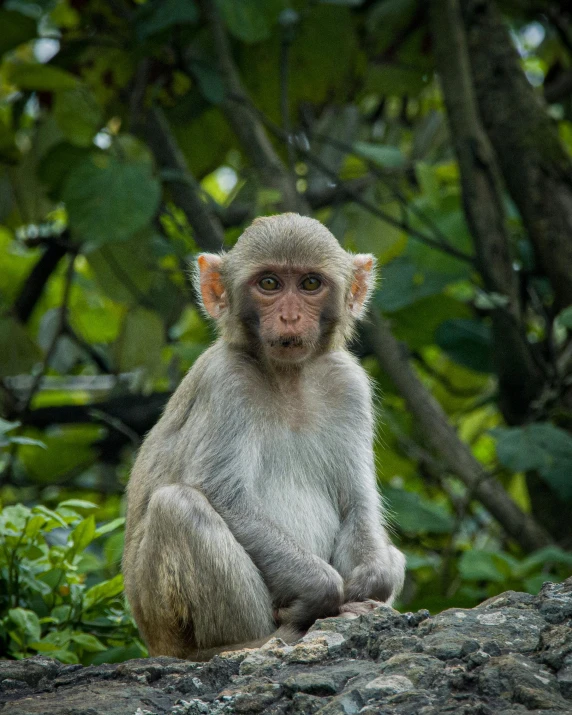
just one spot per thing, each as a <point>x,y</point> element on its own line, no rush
<point>320,595</point>
<point>380,579</point>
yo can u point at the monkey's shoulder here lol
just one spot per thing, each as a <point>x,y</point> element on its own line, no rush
<point>344,376</point>
<point>227,383</point>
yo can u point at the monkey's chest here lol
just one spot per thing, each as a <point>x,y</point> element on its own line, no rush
<point>295,483</point>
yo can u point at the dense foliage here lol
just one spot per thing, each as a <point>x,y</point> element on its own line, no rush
<point>136,132</point>
<point>53,562</point>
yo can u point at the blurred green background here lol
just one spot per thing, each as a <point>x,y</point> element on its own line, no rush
<point>436,135</point>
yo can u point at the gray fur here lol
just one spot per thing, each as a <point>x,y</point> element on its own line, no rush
<point>255,493</point>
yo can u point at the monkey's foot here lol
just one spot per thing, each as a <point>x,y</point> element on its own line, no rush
<point>353,609</point>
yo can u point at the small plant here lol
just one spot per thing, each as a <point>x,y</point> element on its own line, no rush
<point>54,597</point>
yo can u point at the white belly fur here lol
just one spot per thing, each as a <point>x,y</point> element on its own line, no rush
<point>293,481</point>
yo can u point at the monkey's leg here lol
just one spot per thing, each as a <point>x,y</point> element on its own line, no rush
<point>196,587</point>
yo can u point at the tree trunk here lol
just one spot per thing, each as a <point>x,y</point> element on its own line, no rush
<point>535,165</point>
<point>538,174</point>
<point>519,378</point>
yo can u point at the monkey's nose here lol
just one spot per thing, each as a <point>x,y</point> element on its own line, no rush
<point>290,318</point>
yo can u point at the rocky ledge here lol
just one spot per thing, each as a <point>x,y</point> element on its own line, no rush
<point>512,654</point>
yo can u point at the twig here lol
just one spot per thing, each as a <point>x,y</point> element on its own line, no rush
<point>382,215</point>
<point>94,355</point>
<point>284,102</point>
<point>185,189</point>
<point>250,130</point>
<point>124,277</point>
<point>384,178</point>
<point>59,331</point>
<point>318,163</point>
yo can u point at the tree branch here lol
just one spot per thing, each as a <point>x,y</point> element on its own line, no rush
<point>185,189</point>
<point>444,440</point>
<point>58,332</point>
<point>138,412</point>
<point>249,130</point>
<point>35,283</point>
<point>318,198</point>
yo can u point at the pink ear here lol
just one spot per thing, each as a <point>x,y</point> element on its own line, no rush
<point>362,283</point>
<point>211,287</point>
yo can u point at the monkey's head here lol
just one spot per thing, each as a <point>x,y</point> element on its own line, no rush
<point>287,290</point>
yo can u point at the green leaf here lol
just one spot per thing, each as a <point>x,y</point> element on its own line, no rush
<point>61,614</point>
<point>43,647</point>
<point>6,426</point>
<point>209,80</point>
<point>103,591</point>
<point>110,526</point>
<point>68,450</point>
<point>78,115</point>
<point>404,283</point>
<point>482,566</point>
<point>416,324</point>
<point>16,516</point>
<point>54,519</point>
<point>27,440</point>
<point>158,15</point>
<point>548,556</point>
<point>107,262</point>
<point>27,622</point>
<point>119,654</point>
<point>88,642</point>
<point>109,200</point>
<point>415,515</point>
<point>541,447</point>
<point>53,578</point>
<point>565,317</point>
<point>39,77</point>
<point>65,656</point>
<point>83,534</point>
<point>113,548</point>
<point>34,525</point>
<point>381,154</point>
<point>56,164</point>
<point>18,352</point>
<point>249,20</point>
<point>16,29</point>
<point>78,504</point>
<point>467,342</point>
<point>140,342</point>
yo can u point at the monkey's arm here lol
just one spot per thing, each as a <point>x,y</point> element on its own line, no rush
<point>303,586</point>
<point>364,555</point>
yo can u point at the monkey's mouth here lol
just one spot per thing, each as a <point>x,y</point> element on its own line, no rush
<point>292,341</point>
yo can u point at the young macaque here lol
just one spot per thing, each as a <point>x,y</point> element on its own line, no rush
<point>252,506</point>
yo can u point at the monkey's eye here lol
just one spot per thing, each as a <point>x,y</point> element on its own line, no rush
<point>311,283</point>
<point>268,283</point>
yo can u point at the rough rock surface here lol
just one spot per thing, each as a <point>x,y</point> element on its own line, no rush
<point>510,655</point>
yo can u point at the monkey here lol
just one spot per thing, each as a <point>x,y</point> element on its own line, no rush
<point>252,507</point>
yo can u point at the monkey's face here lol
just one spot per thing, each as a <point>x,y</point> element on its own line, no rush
<point>287,291</point>
<point>292,310</point>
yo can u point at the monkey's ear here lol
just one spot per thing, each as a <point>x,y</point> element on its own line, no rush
<point>210,284</point>
<point>363,282</point>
